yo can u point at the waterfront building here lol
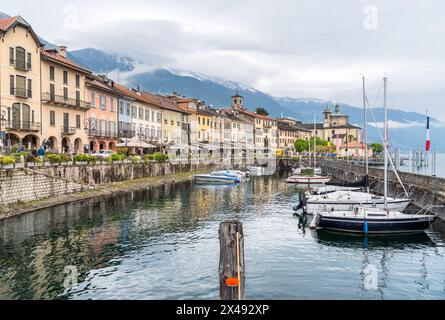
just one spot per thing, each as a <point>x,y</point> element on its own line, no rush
<point>145,118</point>
<point>354,149</point>
<point>124,127</point>
<point>20,92</point>
<point>290,130</point>
<point>102,117</point>
<point>335,128</point>
<point>64,106</point>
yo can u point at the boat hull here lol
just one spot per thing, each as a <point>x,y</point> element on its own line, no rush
<point>332,205</point>
<point>308,180</point>
<point>216,179</point>
<point>375,226</point>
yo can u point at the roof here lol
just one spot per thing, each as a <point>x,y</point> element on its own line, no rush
<point>319,126</point>
<point>289,127</point>
<point>101,84</point>
<point>235,117</point>
<point>7,23</point>
<point>310,126</point>
<point>135,95</point>
<point>237,95</point>
<point>163,102</point>
<point>256,115</point>
<point>54,56</point>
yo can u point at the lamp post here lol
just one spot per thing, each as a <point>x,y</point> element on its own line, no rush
<point>2,118</point>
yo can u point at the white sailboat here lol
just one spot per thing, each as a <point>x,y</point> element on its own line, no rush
<point>374,220</point>
<point>348,200</point>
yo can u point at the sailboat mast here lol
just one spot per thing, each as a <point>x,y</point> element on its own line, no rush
<point>385,147</point>
<point>365,136</point>
<point>315,141</point>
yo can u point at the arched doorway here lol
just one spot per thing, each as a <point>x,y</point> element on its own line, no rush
<point>52,144</point>
<point>111,146</point>
<point>78,146</point>
<point>12,140</point>
<point>66,145</point>
<point>93,145</point>
<point>102,145</point>
<point>30,142</point>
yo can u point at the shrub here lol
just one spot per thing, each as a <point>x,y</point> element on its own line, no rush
<point>17,155</point>
<point>307,172</point>
<point>54,158</point>
<point>135,159</point>
<point>122,151</point>
<point>6,160</point>
<point>149,157</point>
<point>80,158</point>
<point>117,157</point>
<point>160,157</point>
<point>65,158</point>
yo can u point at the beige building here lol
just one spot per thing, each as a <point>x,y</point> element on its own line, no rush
<point>335,128</point>
<point>64,105</point>
<point>20,83</point>
<point>290,130</point>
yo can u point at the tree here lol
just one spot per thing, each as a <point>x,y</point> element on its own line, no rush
<point>301,145</point>
<point>262,111</point>
<point>377,148</point>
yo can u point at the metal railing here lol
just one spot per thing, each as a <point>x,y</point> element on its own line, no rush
<point>67,130</point>
<point>21,93</point>
<point>102,134</point>
<point>21,65</point>
<point>15,125</point>
<point>64,101</point>
<point>126,133</point>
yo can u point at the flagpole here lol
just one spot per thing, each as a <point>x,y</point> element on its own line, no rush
<point>428,141</point>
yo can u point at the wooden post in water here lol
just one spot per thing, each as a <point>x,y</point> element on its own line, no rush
<point>231,261</point>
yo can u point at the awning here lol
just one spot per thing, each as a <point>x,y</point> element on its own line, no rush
<point>130,143</point>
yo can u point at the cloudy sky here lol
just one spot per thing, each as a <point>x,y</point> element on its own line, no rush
<point>296,48</point>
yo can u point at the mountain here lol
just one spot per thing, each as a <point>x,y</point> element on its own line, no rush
<point>101,62</point>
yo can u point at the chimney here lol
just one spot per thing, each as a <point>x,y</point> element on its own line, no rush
<point>62,51</point>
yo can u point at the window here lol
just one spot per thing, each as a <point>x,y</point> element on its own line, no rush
<point>11,56</point>
<point>199,120</point>
<point>52,92</point>
<point>77,81</point>
<point>159,117</point>
<point>134,111</point>
<point>51,73</point>
<point>78,121</point>
<point>333,131</point>
<point>147,115</point>
<point>165,121</point>
<point>153,116</point>
<point>141,113</point>
<point>20,56</point>
<point>93,99</point>
<point>103,102</point>
<point>208,122</point>
<point>32,116</point>
<point>103,127</point>
<point>11,85</point>
<point>29,61</point>
<point>127,109</point>
<point>52,118</point>
<point>77,98</point>
<point>20,84</point>
<point>111,104</point>
<point>65,77</point>
<point>121,107</point>
<point>29,88</point>
<point>65,93</point>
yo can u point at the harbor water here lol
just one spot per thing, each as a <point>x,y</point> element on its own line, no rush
<point>162,243</point>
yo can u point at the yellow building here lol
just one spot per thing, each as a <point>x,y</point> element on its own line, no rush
<point>205,125</point>
<point>290,130</point>
<point>20,83</point>
<point>63,102</point>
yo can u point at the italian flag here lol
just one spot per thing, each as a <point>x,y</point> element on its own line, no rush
<point>428,142</point>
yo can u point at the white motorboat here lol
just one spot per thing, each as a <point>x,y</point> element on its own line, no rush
<point>216,179</point>
<point>349,200</point>
<point>256,171</point>
<point>296,179</point>
<point>330,189</point>
<point>232,173</point>
<point>297,171</point>
<point>372,221</point>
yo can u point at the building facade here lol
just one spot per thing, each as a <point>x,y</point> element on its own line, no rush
<point>64,106</point>
<point>290,130</point>
<point>20,92</point>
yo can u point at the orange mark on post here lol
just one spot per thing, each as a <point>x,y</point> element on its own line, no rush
<point>232,282</point>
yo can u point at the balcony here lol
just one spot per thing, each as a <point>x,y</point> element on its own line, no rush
<point>21,93</point>
<point>126,133</point>
<point>20,65</point>
<point>65,102</point>
<point>102,134</point>
<point>68,131</point>
<point>22,126</point>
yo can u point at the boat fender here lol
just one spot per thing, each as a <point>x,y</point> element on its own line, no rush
<point>365,227</point>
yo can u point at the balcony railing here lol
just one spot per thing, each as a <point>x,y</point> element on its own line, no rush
<point>21,93</point>
<point>21,65</point>
<point>102,134</point>
<point>67,130</point>
<point>65,102</point>
<point>126,133</point>
<point>22,126</point>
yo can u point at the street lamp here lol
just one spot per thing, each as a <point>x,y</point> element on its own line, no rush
<point>2,118</point>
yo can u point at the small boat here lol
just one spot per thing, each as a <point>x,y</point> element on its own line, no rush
<point>349,200</point>
<point>297,171</point>
<point>216,179</point>
<point>308,179</point>
<point>256,171</point>
<point>331,189</point>
<point>232,173</point>
<point>372,221</point>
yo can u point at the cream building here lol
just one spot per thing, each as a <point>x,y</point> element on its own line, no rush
<point>64,105</point>
<point>290,130</point>
<point>20,84</point>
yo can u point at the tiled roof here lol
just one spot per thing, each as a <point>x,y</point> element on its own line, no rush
<point>163,102</point>
<point>289,127</point>
<point>353,144</point>
<point>56,57</point>
<point>6,23</point>
<point>256,115</point>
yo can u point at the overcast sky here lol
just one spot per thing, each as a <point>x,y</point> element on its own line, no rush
<point>293,48</point>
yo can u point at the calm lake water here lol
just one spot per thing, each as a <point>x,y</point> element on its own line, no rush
<point>163,244</point>
<point>428,171</point>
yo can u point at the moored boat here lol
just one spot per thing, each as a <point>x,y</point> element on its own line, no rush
<point>296,179</point>
<point>216,179</point>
